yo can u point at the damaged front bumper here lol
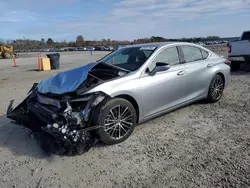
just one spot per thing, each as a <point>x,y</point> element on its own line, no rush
<point>63,125</point>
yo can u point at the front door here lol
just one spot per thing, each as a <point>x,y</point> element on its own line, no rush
<point>164,89</point>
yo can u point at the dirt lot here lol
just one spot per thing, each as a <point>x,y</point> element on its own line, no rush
<point>202,145</point>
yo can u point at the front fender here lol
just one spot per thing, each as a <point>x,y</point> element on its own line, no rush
<point>136,96</point>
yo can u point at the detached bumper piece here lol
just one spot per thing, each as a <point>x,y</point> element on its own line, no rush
<point>75,143</point>
<point>62,128</point>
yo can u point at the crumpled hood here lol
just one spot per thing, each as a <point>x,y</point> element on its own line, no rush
<point>66,81</point>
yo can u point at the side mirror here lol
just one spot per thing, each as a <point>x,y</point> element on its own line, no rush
<point>159,68</point>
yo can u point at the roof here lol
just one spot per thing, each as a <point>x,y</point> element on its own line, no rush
<point>155,44</point>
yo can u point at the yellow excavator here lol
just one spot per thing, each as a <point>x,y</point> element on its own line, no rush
<point>6,51</point>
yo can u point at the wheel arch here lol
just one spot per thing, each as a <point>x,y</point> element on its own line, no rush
<point>133,102</point>
<point>222,76</point>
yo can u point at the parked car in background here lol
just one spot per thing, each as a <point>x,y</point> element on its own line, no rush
<point>117,47</point>
<point>65,49</point>
<point>106,48</point>
<point>111,48</point>
<point>73,49</point>
<point>90,48</point>
<point>239,50</point>
<point>82,48</point>
<point>201,43</point>
<point>208,42</point>
<point>56,50</point>
<point>98,48</point>
<point>106,99</point>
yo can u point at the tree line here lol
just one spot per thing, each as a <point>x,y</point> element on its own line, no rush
<point>24,44</point>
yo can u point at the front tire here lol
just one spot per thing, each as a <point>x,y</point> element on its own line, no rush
<point>215,89</point>
<point>117,119</point>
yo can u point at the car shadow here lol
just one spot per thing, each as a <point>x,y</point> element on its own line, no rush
<point>100,144</point>
<point>18,140</point>
<point>32,70</point>
<point>201,102</point>
<point>240,73</point>
<point>243,70</point>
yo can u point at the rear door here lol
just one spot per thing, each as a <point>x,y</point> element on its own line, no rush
<point>199,70</point>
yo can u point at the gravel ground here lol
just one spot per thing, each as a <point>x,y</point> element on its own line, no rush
<point>201,145</point>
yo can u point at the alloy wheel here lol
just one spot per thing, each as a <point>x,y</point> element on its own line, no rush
<point>118,122</point>
<point>217,88</point>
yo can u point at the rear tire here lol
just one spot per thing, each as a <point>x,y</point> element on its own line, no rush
<point>247,59</point>
<point>247,65</point>
<point>117,119</point>
<point>235,66</point>
<point>7,55</point>
<point>216,88</point>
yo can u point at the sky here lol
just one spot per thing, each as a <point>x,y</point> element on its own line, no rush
<point>122,19</point>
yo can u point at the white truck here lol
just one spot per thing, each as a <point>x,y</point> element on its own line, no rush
<point>239,51</point>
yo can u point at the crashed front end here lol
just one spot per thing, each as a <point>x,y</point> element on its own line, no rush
<point>63,124</point>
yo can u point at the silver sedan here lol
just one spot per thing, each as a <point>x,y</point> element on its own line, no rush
<point>106,99</point>
<point>162,77</point>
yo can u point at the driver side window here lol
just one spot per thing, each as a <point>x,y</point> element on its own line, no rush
<point>169,56</point>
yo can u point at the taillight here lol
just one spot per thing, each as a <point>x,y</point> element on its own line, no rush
<point>229,48</point>
<point>228,63</point>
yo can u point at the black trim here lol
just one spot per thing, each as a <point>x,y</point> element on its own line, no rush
<point>42,113</point>
<point>181,55</point>
<point>202,54</point>
<point>33,87</point>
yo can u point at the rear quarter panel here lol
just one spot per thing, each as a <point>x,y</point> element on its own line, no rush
<point>221,67</point>
<point>204,79</point>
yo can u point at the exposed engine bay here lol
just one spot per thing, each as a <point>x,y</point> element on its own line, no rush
<point>64,123</point>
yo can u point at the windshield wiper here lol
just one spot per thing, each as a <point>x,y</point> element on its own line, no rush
<point>95,77</point>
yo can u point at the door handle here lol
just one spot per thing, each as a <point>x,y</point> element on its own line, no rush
<point>209,65</point>
<point>181,73</point>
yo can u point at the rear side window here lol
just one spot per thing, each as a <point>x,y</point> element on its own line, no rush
<point>246,36</point>
<point>191,53</point>
<point>204,54</point>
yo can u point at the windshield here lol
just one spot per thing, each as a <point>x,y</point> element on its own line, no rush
<point>130,58</point>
